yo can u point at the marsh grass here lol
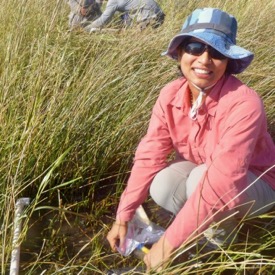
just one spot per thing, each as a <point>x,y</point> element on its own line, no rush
<point>73,108</point>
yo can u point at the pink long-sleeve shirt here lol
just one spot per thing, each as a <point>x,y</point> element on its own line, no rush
<point>230,136</point>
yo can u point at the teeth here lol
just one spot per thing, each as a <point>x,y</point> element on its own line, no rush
<point>201,71</point>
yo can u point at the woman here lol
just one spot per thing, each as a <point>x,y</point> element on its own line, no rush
<point>224,166</point>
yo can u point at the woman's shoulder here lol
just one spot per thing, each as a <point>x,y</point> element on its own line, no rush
<point>172,91</point>
<point>172,87</point>
<point>236,93</point>
<point>236,88</point>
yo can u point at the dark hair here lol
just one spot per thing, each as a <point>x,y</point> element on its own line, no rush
<point>233,64</point>
<point>180,73</point>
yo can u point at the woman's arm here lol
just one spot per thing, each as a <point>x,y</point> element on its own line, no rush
<point>150,158</point>
<point>107,15</point>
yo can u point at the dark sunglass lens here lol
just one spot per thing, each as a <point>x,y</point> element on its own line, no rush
<point>198,48</point>
<point>194,48</point>
<point>216,54</point>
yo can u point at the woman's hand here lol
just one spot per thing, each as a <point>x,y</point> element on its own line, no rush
<point>158,255</point>
<point>117,234</point>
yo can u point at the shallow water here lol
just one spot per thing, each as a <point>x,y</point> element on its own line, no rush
<point>54,240</point>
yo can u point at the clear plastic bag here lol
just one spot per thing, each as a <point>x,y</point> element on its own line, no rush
<point>140,231</point>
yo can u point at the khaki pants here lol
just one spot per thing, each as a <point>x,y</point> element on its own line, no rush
<point>173,185</point>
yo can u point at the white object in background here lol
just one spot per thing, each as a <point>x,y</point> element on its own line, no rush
<point>15,255</point>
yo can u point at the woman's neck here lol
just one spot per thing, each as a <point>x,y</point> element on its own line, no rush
<point>195,91</point>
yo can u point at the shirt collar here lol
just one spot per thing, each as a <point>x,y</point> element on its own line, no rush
<point>182,98</point>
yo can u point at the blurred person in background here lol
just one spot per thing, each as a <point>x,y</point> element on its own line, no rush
<point>141,12</point>
<point>83,12</point>
<point>224,165</point>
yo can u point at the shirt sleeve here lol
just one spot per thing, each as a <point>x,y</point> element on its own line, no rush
<point>75,6</point>
<point>150,158</point>
<point>107,15</point>
<point>221,186</point>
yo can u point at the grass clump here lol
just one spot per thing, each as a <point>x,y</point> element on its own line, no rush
<point>73,108</point>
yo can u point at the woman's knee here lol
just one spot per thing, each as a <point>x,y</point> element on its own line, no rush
<point>260,196</point>
<point>160,189</point>
<point>194,179</point>
<point>168,189</point>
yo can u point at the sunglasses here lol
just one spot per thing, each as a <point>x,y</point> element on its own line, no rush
<point>197,48</point>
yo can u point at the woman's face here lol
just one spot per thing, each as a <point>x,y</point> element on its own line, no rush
<point>202,70</point>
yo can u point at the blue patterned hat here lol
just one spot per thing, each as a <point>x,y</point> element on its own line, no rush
<point>217,29</point>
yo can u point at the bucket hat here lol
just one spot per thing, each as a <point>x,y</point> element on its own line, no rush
<point>217,29</point>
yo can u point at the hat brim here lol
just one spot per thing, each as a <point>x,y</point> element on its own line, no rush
<point>240,58</point>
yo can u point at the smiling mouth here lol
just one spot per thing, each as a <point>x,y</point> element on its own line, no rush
<point>202,71</point>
